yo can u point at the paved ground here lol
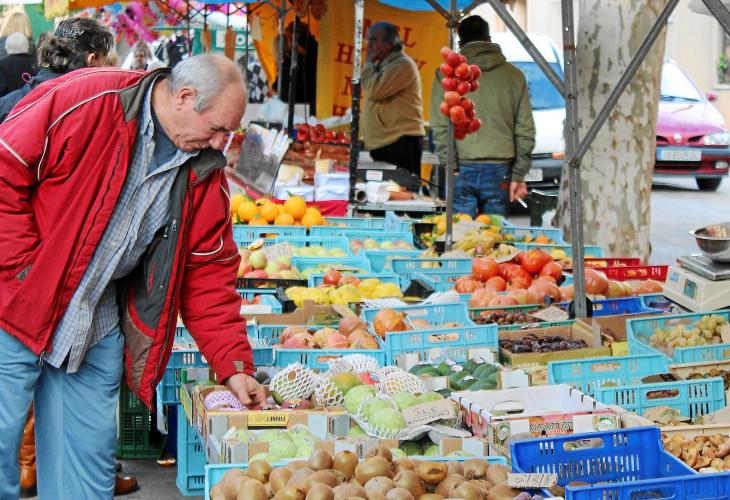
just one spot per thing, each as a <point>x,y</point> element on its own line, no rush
<point>677,208</point>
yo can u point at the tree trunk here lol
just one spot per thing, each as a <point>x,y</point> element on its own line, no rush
<point>616,172</point>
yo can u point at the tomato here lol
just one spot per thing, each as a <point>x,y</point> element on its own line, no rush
<point>553,270</point>
<point>444,108</point>
<point>457,114</point>
<point>473,85</point>
<point>446,70</point>
<point>445,51</point>
<point>467,104</point>
<point>452,98</point>
<point>484,268</point>
<point>503,300</point>
<point>481,298</point>
<point>461,71</point>
<point>475,70</point>
<point>540,289</point>
<point>448,84</point>
<point>474,125</point>
<point>465,284</point>
<point>462,88</point>
<point>596,282</point>
<point>453,59</point>
<point>496,283</point>
<point>332,277</point>
<point>506,268</point>
<point>535,259</point>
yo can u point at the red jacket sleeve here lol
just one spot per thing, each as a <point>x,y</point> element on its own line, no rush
<point>209,305</point>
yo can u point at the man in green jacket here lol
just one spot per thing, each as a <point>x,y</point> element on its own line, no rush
<point>493,161</point>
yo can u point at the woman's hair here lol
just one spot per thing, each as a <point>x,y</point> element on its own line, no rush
<point>18,22</point>
<point>112,59</point>
<point>74,39</point>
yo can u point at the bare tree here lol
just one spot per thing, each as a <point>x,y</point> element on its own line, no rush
<point>616,172</point>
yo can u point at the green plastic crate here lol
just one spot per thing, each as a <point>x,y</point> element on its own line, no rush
<point>135,424</point>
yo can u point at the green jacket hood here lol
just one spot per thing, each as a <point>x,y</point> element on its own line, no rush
<point>486,55</point>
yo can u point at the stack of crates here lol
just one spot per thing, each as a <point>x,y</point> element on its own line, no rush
<point>135,423</point>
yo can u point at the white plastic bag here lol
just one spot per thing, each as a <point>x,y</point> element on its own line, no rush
<point>274,110</point>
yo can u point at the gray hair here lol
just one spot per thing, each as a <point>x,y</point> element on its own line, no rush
<point>17,43</point>
<point>207,75</point>
<point>390,35</point>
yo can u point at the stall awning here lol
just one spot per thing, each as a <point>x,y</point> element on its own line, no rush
<point>424,5</point>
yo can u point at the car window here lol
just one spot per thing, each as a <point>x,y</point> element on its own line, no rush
<point>676,86</point>
<point>543,95</point>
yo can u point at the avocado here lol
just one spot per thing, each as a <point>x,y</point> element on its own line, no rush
<point>467,382</point>
<point>483,385</point>
<point>444,369</point>
<point>416,369</point>
<point>430,372</point>
<point>485,370</point>
<point>470,365</point>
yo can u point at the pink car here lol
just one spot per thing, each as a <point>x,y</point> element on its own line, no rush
<point>692,138</point>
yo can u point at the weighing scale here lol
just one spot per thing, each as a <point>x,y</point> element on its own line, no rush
<point>698,284</point>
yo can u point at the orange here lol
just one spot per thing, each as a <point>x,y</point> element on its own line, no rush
<point>464,217</point>
<point>312,210</point>
<point>236,200</point>
<point>269,211</point>
<point>296,207</point>
<point>247,210</point>
<point>484,219</point>
<point>311,219</point>
<point>542,239</point>
<point>259,221</point>
<point>441,227</point>
<point>284,220</point>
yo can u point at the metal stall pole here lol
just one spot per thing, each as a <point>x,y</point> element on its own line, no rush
<point>571,144</point>
<point>293,75</point>
<point>525,41</point>
<point>451,150</point>
<point>355,106</point>
<point>245,49</point>
<point>280,55</point>
<point>718,9</point>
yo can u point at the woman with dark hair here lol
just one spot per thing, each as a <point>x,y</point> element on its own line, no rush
<point>77,43</point>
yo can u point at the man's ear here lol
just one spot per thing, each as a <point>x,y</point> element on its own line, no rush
<point>185,94</point>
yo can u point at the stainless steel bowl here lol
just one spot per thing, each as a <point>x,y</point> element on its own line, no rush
<point>714,241</point>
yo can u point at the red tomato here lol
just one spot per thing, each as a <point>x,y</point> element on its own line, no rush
<point>452,98</point>
<point>467,104</point>
<point>461,71</point>
<point>459,135</point>
<point>462,59</point>
<point>473,85</point>
<point>445,51</point>
<point>448,84</point>
<point>457,114</point>
<point>553,270</point>
<point>444,108</point>
<point>465,284</point>
<point>484,268</point>
<point>535,260</point>
<point>453,59</point>
<point>474,125</point>
<point>475,70</point>
<point>596,283</point>
<point>462,88</point>
<point>496,283</point>
<point>505,269</point>
<point>446,70</point>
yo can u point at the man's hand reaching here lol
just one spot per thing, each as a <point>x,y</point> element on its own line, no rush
<point>517,190</point>
<point>246,389</point>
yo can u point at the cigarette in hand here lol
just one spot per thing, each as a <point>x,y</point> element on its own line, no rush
<point>519,200</point>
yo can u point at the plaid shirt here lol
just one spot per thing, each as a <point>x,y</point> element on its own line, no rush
<point>142,209</point>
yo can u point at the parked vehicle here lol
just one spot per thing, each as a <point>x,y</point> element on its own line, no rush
<point>692,138</point>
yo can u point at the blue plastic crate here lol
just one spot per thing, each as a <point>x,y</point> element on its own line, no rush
<point>266,299</point>
<point>312,358</point>
<point>394,223</point>
<point>214,473</point>
<point>435,314</point>
<point>440,344</point>
<point>409,267</point>
<point>639,331</point>
<point>380,260</point>
<point>180,359</point>
<point>256,291</point>
<point>690,397</point>
<point>593,251</point>
<point>304,263</point>
<point>351,221</point>
<point>244,235</point>
<point>307,241</point>
<point>439,281</point>
<point>620,456</point>
<point>554,234</point>
<point>695,487</point>
<point>587,374</point>
<point>361,234</point>
<point>190,478</point>
<point>619,306</point>
<point>318,279</point>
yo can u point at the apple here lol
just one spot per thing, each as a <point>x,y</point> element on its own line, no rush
<point>283,262</point>
<point>244,267</point>
<point>245,253</point>
<point>370,244</point>
<point>289,274</point>
<point>258,259</point>
<point>387,245</point>
<point>256,274</point>
<point>272,268</point>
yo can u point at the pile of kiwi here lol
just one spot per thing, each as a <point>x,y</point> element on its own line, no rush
<point>376,477</point>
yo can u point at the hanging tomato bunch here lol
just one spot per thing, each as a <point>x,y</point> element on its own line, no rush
<point>459,78</point>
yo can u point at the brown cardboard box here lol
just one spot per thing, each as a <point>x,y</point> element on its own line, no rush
<point>537,359</point>
<point>612,330</point>
<point>309,313</point>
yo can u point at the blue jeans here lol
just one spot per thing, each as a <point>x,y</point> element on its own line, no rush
<point>75,419</point>
<point>482,188</point>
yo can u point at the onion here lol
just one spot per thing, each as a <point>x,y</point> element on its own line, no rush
<point>388,320</point>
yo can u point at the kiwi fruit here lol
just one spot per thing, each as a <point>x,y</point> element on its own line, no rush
<point>432,472</point>
<point>299,478</point>
<point>399,494</point>
<point>475,468</point>
<point>320,476</point>
<point>431,496</point>
<point>320,491</point>
<point>373,467</point>
<point>380,451</point>
<point>409,480</point>
<point>455,468</point>
<point>448,484</point>
<point>279,477</point>
<point>497,474</point>
<point>345,491</point>
<point>381,484</point>
<point>259,470</point>
<point>320,460</point>
<point>252,490</point>
<point>233,486</point>
<point>345,462</point>
<point>467,491</point>
<point>289,493</point>
<point>502,491</point>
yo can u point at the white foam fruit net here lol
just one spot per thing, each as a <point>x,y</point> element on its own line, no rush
<point>294,382</point>
<point>353,363</point>
<point>376,431</point>
<point>397,380</point>
<point>326,392</point>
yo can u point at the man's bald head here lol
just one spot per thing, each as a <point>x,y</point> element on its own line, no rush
<point>209,75</point>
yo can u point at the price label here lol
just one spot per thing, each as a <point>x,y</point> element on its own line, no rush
<point>531,481</point>
<point>718,417</point>
<point>725,334</point>
<point>428,412</point>
<point>278,250</point>
<point>551,314</point>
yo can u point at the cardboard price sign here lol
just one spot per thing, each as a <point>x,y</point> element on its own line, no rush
<point>428,412</point>
<point>278,250</point>
<point>718,417</point>
<point>551,314</point>
<point>531,481</point>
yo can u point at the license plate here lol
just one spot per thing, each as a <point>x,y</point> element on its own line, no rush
<point>534,175</point>
<point>679,155</point>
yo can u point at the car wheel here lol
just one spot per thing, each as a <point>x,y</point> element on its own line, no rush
<point>710,184</point>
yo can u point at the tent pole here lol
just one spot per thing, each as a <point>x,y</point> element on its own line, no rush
<point>293,75</point>
<point>451,149</point>
<point>280,55</point>
<point>517,31</point>
<point>355,106</point>
<point>245,49</point>
<point>623,82</point>
<point>571,144</point>
<point>720,12</point>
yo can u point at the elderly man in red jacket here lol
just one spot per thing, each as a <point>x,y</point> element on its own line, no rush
<point>115,217</point>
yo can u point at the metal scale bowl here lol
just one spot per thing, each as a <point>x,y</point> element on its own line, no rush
<point>701,282</point>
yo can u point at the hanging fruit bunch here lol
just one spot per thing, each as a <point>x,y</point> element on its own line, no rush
<point>458,79</point>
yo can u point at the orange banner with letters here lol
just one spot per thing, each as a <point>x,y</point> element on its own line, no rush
<point>423,34</point>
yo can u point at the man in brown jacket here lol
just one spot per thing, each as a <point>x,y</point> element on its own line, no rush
<point>392,118</point>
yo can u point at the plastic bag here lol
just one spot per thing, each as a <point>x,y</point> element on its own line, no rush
<point>274,110</point>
